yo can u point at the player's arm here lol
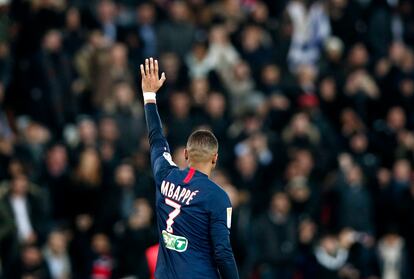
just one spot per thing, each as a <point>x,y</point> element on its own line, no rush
<point>161,161</point>
<point>220,222</point>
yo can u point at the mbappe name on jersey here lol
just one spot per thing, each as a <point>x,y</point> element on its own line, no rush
<point>177,193</point>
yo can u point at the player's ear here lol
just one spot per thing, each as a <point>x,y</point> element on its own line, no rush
<point>215,159</point>
<point>186,154</point>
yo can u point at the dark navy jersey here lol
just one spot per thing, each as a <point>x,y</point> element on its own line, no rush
<point>193,216</point>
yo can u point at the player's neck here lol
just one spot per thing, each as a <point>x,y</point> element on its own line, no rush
<point>203,168</point>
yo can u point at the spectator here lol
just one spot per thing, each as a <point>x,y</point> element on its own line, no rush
<point>55,178</point>
<point>217,115</point>
<point>102,262</point>
<point>86,183</point>
<point>239,82</point>
<point>275,240</point>
<point>301,132</point>
<point>33,138</point>
<point>360,151</point>
<point>306,42</point>
<point>56,256</point>
<point>7,136</point>
<point>406,220</point>
<point>24,203</point>
<point>30,264</point>
<point>249,178</point>
<point>5,67</point>
<point>304,200</point>
<point>198,61</point>
<point>361,90</point>
<point>350,123</point>
<point>392,257</point>
<point>74,34</point>
<point>118,203</point>
<point>345,17</point>
<point>87,132</point>
<point>139,235</point>
<point>180,121</point>
<point>126,114</point>
<point>179,25</point>
<point>306,242</point>
<point>256,47</point>
<point>107,77</point>
<point>146,29</point>
<point>355,203</point>
<point>331,258</point>
<point>241,217</point>
<point>331,63</point>
<point>6,239</point>
<point>388,131</point>
<point>106,11</point>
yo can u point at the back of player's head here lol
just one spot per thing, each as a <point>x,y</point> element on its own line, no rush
<point>202,146</point>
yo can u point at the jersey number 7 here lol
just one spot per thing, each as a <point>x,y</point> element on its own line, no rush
<point>173,214</point>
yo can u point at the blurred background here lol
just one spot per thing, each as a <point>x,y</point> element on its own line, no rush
<point>312,103</point>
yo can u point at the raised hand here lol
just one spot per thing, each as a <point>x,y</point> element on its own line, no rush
<point>150,81</point>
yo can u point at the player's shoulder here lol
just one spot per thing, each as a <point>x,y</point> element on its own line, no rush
<point>211,185</point>
<point>216,192</point>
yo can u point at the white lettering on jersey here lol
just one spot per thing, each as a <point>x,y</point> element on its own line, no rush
<point>182,194</point>
<point>186,195</point>
<point>191,197</point>
<point>177,193</point>
<point>171,190</point>
<point>164,187</point>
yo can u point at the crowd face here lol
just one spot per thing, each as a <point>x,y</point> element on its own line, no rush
<point>354,176</point>
<point>246,164</point>
<point>108,130</point>
<point>280,204</point>
<point>119,56</point>
<point>106,11</point>
<point>402,170</point>
<point>73,19</point>
<point>396,119</point>
<point>180,104</point>
<point>57,160</point>
<point>57,242</point>
<point>146,14</point>
<point>87,132</point>
<point>52,41</point>
<point>179,11</point>
<point>142,215</point>
<point>125,176</point>
<point>216,105</point>
<point>19,186</point>
<point>101,244</point>
<point>89,167</point>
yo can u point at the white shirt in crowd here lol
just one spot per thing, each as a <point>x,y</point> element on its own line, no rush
<point>21,213</point>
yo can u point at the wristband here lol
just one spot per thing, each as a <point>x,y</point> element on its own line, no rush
<point>149,96</point>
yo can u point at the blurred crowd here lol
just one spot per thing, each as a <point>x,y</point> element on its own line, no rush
<point>312,102</point>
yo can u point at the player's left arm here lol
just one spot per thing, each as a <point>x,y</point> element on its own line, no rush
<point>220,223</point>
<point>161,161</point>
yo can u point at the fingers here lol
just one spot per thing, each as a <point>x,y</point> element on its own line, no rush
<point>163,78</point>
<point>152,68</point>
<point>142,70</point>
<point>156,68</point>
<point>147,69</point>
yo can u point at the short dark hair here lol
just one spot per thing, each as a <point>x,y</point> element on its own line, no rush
<point>202,145</point>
